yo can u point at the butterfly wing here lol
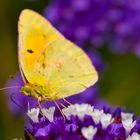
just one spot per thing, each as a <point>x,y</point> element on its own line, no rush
<point>35,33</point>
<point>52,60</point>
<point>66,69</point>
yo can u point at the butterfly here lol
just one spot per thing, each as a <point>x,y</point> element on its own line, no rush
<point>51,66</point>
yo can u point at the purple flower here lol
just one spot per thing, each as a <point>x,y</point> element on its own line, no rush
<point>81,122</point>
<point>17,101</point>
<point>111,22</point>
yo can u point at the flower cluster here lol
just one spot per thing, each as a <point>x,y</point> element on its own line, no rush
<point>82,122</point>
<point>94,22</point>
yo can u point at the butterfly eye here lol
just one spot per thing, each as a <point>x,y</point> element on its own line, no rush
<point>30,51</point>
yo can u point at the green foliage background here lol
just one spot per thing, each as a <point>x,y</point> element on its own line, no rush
<point>119,83</point>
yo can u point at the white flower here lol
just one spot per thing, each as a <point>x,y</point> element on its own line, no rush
<point>33,114</point>
<point>89,132</point>
<point>78,109</point>
<point>70,110</point>
<point>48,113</point>
<point>96,115</point>
<point>106,119</point>
<point>125,116</point>
<point>134,136</point>
<point>127,121</point>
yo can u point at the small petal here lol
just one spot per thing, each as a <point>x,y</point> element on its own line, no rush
<point>89,132</point>
<point>33,114</point>
<point>127,121</point>
<point>106,120</point>
<point>84,109</point>
<point>43,132</point>
<point>79,110</point>
<point>134,136</point>
<point>96,115</point>
<point>126,116</point>
<point>49,113</point>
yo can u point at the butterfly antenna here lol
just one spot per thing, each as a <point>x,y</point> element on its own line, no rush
<point>11,97</point>
<point>39,103</point>
<point>60,110</point>
<point>9,87</point>
<point>67,101</point>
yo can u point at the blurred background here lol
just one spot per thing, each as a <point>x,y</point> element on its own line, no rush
<point>107,30</point>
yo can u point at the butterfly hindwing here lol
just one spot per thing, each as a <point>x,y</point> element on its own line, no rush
<point>62,67</point>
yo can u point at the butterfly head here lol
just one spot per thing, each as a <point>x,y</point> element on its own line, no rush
<point>41,93</point>
<point>35,91</point>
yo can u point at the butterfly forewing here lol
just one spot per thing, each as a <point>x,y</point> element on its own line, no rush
<point>35,33</point>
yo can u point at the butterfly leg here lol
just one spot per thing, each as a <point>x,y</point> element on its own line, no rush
<point>62,105</point>
<point>42,99</point>
<point>60,110</point>
<point>39,103</point>
<point>67,101</point>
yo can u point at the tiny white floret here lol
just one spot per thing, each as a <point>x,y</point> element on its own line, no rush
<point>134,136</point>
<point>79,110</point>
<point>33,114</point>
<point>106,120</point>
<point>127,121</point>
<point>48,113</point>
<point>89,132</point>
<point>125,116</point>
<point>96,115</point>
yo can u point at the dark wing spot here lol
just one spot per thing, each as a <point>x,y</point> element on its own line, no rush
<point>30,51</point>
<point>43,65</point>
<point>44,35</point>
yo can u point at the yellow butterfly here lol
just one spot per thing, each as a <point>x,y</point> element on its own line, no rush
<point>52,67</point>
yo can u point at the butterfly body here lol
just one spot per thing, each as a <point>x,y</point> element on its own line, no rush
<point>52,66</point>
<point>42,93</point>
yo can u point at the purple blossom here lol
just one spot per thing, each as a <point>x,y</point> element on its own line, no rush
<point>111,22</point>
<point>17,101</point>
<point>82,122</point>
